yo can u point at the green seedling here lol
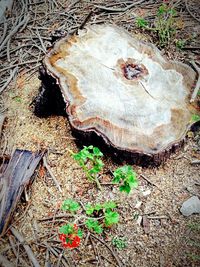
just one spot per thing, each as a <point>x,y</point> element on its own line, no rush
<point>125,176</point>
<point>89,159</point>
<point>142,23</point>
<point>119,242</point>
<point>180,44</point>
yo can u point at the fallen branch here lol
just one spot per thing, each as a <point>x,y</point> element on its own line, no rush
<point>28,250</point>
<point>47,259</point>
<point>51,174</point>
<point>196,89</point>
<point>119,9</point>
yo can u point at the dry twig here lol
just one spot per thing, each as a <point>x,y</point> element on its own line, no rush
<point>150,182</point>
<point>51,173</point>
<point>119,9</point>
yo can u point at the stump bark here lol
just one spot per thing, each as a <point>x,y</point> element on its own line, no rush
<point>118,91</point>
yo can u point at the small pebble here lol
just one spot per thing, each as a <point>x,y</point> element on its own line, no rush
<point>146,193</point>
<point>190,206</point>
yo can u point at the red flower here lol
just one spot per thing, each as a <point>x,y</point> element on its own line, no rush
<point>70,241</point>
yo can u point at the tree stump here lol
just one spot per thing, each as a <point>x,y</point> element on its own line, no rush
<point>118,89</point>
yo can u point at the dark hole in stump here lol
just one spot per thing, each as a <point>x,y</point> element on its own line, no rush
<point>133,71</point>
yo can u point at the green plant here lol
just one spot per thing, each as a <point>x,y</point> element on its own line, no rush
<point>126,176</point>
<point>95,226</point>
<point>195,118</point>
<point>142,23</point>
<point>89,158</point>
<point>98,217</point>
<point>119,242</point>
<point>195,242</point>
<point>164,24</point>
<point>70,205</point>
<point>180,44</point>
<point>194,226</point>
<point>104,211</point>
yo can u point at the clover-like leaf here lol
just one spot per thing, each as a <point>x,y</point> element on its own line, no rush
<point>70,205</point>
<point>94,226</point>
<point>111,218</point>
<point>109,205</point>
<point>66,229</point>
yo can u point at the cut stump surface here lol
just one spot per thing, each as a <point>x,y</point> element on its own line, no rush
<point>121,89</point>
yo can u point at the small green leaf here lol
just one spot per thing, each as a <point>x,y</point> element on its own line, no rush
<point>98,207</point>
<point>109,205</point>
<point>162,10</point>
<point>142,23</point>
<point>70,205</point>
<point>89,209</point>
<point>119,242</point>
<point>125,188</point>
<point>94,225</point>
<point>111,218</point>
<point>66,229</point>
<point>195,118</point>
<point>127,177</point>
<point>97,152</point>
<point>80,233</point>
<point>18,99</point>
<point>95,169</point>
<point>172,12</point>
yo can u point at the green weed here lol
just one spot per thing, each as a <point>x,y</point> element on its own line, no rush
<point>119,242</point>
<point>164,24</point>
